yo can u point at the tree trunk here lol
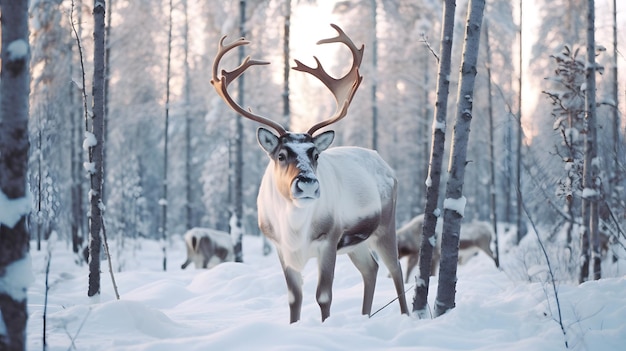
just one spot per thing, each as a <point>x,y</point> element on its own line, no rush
<point>77,156</point>
<point>163,202</point>
<point>520,132</point>
<point>107,83</point>
<point>591,192</point>
<point>615,192</point>
<point>14,236</point>
<point>188,158</point>
<point>373,98</point>
<point>492,158</point>
<point>454,203</point>
<point>286,65</point>
<point>436,160</point>
<point>236,229</point>
<point>96,151</point>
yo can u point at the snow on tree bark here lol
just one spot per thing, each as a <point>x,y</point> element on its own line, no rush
<point>14,145</point>
<point>436,159</point>
<point>453,209</point>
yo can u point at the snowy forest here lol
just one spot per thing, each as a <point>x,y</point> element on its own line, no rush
<point>175,157</point>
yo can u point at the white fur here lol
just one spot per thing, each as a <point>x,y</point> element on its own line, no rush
<point>351,182</point>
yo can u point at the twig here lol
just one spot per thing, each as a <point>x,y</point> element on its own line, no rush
<point>80,327</point>
<point>390,302</point>
<point>45,303</point>
<point>619,228</point>
<point>427,43</point>
<point>82,65</point>
<point>550,271</point>
<point>107,253</point>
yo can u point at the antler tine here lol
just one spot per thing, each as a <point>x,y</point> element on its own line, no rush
<point>344,88</point>
<point>221,82</point>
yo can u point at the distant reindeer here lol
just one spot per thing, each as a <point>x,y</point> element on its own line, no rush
<point>474,236</point>
<point>207,248</point>
<point>318,202</point>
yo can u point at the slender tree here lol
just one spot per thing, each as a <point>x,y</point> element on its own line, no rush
<point>374,97</point>
<point>96,147</point>
<point>590,236</point>
<point>492,159</point>
<point>163,200</point>
<point>107,84</point>
<point>520,132</point>
<point>77,222</point>
<point>187,96</point>
<point>454,203</point>
<point>286,64</point>
<point>568,102</point>
<point>436,159</point>
<point>236,228</point>
<point>15,203</point>
<point>617,174</point>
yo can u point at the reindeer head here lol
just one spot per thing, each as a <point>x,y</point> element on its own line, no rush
<point>295,155</point>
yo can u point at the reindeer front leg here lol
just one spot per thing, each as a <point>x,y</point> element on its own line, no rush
<point>294,290</point>
<point>326,269</point>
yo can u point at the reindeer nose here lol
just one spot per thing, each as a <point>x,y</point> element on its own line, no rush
<point>306,187</point>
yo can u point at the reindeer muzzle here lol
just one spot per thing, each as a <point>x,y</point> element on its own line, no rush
<point>305,188</point>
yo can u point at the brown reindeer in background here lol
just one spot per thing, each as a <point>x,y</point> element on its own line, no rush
<point>475,236</point>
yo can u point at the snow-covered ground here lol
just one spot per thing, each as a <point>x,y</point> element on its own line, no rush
<point>238,306</point>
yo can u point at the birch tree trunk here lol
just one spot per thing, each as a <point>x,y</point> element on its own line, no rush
<point>454,203</point>
<point>236,229</point>
<point>96,151</point>
<point>77,155</point>
<point>492,158</point>
<point>591,192</point>
<point>374,98</point>
<point>188,149</point>
<point>520,132</point>
<point>14,236</point>
<point>286,65</point>
<point>436,160</point>
<point>107,84</point>
<point>615,192</point>
<point>163,201</point>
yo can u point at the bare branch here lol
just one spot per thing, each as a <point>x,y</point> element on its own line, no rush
<point>427,43</point>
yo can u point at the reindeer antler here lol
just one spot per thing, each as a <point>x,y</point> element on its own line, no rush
<point>344,88</point>
<point>220,83</point>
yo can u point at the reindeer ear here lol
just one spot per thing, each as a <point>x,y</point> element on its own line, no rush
<point>267,140</point>
<point>323,141</point>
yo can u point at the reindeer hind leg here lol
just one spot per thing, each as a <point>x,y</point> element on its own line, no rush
<point>362,258</point>
<point>387,250</point>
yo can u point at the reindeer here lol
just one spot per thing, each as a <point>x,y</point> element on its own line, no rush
<point>207,248</point>
<point>316,201</point>
<point>474,236</point>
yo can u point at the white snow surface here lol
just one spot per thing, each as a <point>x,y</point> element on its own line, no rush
<point>243,306</point>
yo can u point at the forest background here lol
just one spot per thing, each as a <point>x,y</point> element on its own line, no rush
<point>397,92</point>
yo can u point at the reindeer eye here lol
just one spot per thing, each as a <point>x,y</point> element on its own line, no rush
<point>282,157</point>
<point>316,156</point>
